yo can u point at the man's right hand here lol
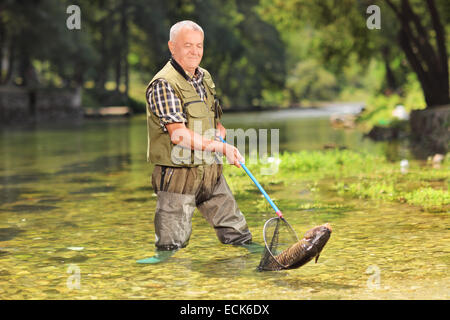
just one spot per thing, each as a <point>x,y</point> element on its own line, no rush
<point>233,155</point>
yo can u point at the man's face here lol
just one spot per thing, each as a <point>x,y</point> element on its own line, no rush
<point>187,49</point>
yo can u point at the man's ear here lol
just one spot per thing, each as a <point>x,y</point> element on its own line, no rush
<point>171,46</point>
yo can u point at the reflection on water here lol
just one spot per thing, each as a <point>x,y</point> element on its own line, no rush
<point>81,196</point>
<point>101,164</point>
<point>9,233</point>
<point>95,189</point>
<point>29,208</point>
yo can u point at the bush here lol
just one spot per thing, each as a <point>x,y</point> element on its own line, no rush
<point>379,107</point>
<point>136,105</point>
<point>94,98</point>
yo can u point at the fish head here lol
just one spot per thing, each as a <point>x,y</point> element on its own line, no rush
<point>318,237</point>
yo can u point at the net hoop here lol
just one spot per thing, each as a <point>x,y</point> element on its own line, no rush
<point>265,238</point>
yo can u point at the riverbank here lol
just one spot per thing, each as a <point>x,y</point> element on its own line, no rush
<point>25,105</point>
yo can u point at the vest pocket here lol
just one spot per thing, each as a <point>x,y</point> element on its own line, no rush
<point>196,108</point>
<point>200,118</point>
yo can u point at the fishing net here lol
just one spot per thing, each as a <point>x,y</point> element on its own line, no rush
<point>278,236</point>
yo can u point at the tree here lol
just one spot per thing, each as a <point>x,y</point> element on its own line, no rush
<point>36,30</point>
<point>429,62</point>
<point>342,29</point>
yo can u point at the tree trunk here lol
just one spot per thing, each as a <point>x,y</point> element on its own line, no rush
<point>430,129</point>
<point>442,54</point>
<point>24,68</point>
<point>390,78</point>
<point>430,65</point>
<point>103,67</point>
<point>118,71</point>
<point>78,76</point>
<point>2,47</point>
<point>102,70</point>
<point>124,27</point>
<point>11,61</point>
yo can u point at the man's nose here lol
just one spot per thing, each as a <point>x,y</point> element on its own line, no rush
<point>195,51</point>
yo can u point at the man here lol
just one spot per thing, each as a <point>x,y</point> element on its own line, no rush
<point>183,116</point>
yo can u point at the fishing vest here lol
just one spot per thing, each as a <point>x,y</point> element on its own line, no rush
<point>202,117</point>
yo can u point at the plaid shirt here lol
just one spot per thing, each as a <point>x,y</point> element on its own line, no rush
<point>164,102</point>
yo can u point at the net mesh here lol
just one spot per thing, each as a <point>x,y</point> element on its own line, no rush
<point>278,236</point>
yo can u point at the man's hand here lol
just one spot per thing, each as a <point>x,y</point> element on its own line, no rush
<point>233,155</point>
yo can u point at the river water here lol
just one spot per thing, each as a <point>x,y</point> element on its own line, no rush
<point>76,212</point>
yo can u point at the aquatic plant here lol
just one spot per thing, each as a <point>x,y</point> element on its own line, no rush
<point>354,174</point>
<point>430,199</point>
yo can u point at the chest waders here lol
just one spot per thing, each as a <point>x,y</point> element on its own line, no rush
<point>192,180</point>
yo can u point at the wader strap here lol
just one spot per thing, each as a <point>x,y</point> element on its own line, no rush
<point>170,178</point>
<point>163,173</point>
<point>216,107</point>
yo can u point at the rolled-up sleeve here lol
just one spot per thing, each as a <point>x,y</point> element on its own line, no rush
<point>165,104</point>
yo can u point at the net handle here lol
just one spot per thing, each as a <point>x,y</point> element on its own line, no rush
<point>277,211</point>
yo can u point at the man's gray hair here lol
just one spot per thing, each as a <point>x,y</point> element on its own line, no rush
<point>183,24</point>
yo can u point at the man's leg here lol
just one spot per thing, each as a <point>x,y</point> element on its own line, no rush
<point>174,210</point>
<point>173,225</point>
<point>222,212</point>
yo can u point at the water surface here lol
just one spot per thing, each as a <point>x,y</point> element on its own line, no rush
<point>76,212</point>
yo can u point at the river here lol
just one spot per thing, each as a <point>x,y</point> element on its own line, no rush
<point>76,212</point>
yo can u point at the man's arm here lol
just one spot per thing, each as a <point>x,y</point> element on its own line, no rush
<point>181,135</point>
<point>222,130</point>
<point>165,104</point>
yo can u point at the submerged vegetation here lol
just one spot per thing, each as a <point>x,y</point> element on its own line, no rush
<point>355,174</point>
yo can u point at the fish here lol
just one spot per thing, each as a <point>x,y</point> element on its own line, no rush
<point>301,252</point>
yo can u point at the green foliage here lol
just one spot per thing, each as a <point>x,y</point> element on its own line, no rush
<point>248,59</point>
<point>89,100</point>
<point>334,162</point>
<point>413,96</point>
<point>384,190</point>
<point>275,97</point>
<point>244,54</point>
<point>309,81</point>
<point>428,198</point>
<point>329,55</point>
<point>260,53</point>
<point>379,107</point>
<point>36,31</point>
<point>355,174</point>
<point>334,33</point>
<point>136,105</point>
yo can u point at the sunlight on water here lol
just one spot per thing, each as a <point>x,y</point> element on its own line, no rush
<point>76,212</point>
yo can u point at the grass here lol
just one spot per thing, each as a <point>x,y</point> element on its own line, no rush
<point>357,175</point>
<point>429,198</point>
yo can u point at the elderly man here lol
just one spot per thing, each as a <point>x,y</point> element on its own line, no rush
<point>183,116</point>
